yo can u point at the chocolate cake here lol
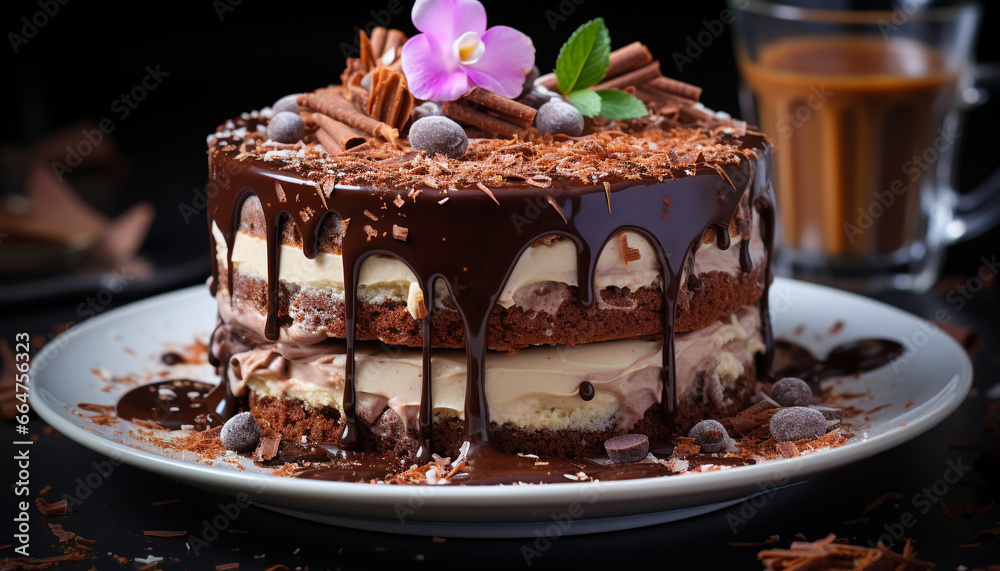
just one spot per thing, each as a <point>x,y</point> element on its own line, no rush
<point>529,287</point>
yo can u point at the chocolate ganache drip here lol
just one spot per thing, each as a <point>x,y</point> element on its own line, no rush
<point>471,243</point>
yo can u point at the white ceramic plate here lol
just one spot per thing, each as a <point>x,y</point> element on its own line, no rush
<point>921,389</point>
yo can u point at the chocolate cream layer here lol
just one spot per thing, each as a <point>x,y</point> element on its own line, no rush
<point>539,388</point>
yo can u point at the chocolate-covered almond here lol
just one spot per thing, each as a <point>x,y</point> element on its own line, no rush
<point>627,448</point>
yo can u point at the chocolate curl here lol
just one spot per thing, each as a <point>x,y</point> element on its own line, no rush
<point>357,94</point>
<point>367,55</point>
<point>331,103</point>
<point>620,61</point>
<point>390,101</point>
<point>485,121</point>
<point>502,116</point>
<point>340,134</point>
<point>504,108</point>
<point>393,42</point>
<point>676,88</point>
<point>637,76</point>
<point>328,143</point>
<point>660,98</point>
<point>379,35</point>
<point>548,81</point>
<point>628,58</point>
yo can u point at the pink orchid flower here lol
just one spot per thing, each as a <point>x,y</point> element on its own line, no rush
<point>456,52</point>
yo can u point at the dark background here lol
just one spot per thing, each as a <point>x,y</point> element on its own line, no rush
<point>223,60</point>
<point>88,54</point>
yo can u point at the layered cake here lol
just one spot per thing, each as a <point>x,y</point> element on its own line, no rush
<point>406,263</point>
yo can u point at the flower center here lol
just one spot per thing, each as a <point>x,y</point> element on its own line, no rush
<point>469,48</point>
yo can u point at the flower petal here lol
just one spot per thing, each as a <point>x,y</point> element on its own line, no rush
<point>446,20</point>
<point>431,70</point>
<point>509,56</point>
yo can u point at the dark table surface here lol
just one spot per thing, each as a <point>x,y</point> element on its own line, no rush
<point>80,62</point>
<point>115,514</point>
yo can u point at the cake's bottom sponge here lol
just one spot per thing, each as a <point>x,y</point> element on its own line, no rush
<point>551,400</point>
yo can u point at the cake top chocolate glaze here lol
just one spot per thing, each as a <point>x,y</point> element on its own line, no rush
<point>653,148</point>
<point>660,165</point>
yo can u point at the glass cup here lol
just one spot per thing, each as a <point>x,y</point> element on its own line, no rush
<point>863,108</point>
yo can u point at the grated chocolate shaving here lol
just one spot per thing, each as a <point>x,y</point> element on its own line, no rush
<point>629,254</point>
<point>400,232</point>
<point>833,553</point>
<point>487,191</point>
<point>178,533</point>
<point>552,202</point>
<point>634,150</point>
<point>967,508</point>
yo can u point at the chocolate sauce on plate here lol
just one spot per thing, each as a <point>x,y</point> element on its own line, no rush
<point>176,403</point>
<point>853,358</point>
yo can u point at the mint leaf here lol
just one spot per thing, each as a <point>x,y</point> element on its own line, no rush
<point>583,59</point>
<point>587,102</point>
<point>617,105</point>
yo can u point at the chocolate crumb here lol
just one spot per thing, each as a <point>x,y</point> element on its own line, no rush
<point>267,449</point>
<point>56,508</point>
<point>400,232</point>
<point>61,533</point>
<point>98,408</point>
<point>143,423</point>
<point>788,449</point>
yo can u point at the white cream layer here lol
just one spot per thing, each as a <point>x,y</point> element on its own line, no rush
<point>384,277</point>
<point>536,388</point>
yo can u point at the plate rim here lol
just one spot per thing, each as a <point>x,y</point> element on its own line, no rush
<point>951,395</point>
